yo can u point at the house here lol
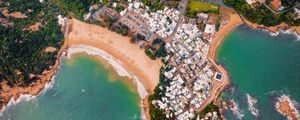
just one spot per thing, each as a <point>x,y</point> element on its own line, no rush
<point>202,17</point>
<point>297,13</point>
<point>250,2</point>
<point>111,13</point>
<point>210,29</point>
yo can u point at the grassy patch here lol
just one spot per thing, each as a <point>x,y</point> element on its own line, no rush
<point>195,7</point>
<point>198,6</point>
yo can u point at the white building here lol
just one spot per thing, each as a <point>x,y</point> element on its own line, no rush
<point>250,2</point>
<point>210,29</point>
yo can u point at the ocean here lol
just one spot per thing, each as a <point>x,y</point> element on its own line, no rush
<point>262,67</point>
<point>84,89</point>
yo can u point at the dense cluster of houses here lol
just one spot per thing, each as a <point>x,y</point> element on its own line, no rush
<point>161,22</point>
<point>190,75</point>
<point>277,6</point>
<point>296,13</point>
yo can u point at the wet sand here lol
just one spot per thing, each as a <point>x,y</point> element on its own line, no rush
<point>133,59</point>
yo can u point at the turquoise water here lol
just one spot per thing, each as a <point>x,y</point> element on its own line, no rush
<point>262,66</point>
<point>82,91</point>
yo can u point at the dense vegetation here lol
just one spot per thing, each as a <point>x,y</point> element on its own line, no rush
<point>150,53</point>
<point>154,53</point>
<point>153,5</point>
<point>76,8</point>
<point>156,41</point>
<point>161,52</point>
<point>210,108</point>
<point>262,15</point>
<point>156,113</point>
<point>22,52</point>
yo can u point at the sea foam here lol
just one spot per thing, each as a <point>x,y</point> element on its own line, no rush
<point>28,97</point>
<point>115,63</point>
<point>251,104</point>
<point>236,110</point>
<point>287,32</point>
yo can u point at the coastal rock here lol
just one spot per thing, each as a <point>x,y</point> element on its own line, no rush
<point>286,107</point>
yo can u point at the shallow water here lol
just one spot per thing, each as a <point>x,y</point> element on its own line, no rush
<point>82,91</point>
<point>263,66</point>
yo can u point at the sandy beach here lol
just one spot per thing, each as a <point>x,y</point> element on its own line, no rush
<point>234,20</point>
<point>128,55</point>
<point>132,58</point>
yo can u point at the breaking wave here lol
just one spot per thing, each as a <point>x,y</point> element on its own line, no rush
<point>287,32</point>
<point>115,63</point>
<point>28,97</point>
<point>251,104</point>
<point>236,110</point>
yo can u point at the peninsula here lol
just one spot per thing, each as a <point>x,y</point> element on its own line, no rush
<point>169,46</point>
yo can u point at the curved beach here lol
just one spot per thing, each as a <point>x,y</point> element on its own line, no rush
<point>233,21</point>
<point>128,55</point>
<point>132,58</point>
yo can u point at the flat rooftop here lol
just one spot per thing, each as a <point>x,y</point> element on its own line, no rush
<point>218,76</point>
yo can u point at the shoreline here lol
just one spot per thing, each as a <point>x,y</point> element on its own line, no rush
<point>233,22</point>
<point>99,37</point>
<point>108,49</point>
<point>116,65</point>
<point>274,30</point>
<point>16,94</point>
<point>132,58</point>
<point>28,97</point>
